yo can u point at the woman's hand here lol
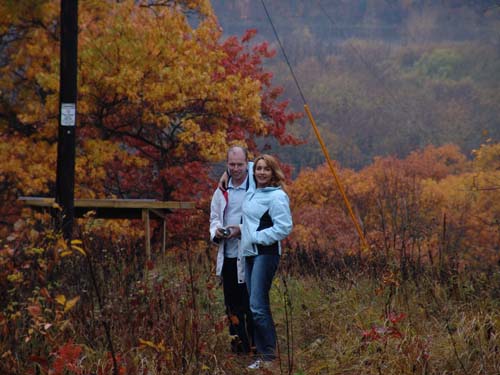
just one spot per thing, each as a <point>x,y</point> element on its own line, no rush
<point>224,179</point>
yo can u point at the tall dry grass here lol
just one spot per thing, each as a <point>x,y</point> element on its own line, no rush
<point>348,315</point>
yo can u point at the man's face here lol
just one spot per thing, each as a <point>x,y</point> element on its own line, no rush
<point>237,165</point>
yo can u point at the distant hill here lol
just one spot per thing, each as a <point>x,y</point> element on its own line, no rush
<point>382,77</point>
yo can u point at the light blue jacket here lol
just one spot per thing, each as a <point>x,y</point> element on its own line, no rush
<point>266,221</point>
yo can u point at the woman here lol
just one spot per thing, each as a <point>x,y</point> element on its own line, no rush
<point>266,221</point>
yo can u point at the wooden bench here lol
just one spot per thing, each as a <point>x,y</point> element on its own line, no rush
<point>119,209</point>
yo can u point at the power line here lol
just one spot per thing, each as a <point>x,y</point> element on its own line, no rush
<point>283,51</point>
<point>362,238</point>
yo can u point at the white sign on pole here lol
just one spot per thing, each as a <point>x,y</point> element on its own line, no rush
<point>68,114</point>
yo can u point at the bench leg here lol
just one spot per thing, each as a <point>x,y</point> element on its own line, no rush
<point>145,218</point>
<point>164,237</point>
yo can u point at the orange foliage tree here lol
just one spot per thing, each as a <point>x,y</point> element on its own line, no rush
<point>469,208</point>
<point>434,207</point>
<point>160,96</point>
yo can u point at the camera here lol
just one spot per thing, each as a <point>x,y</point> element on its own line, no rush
<point>226,232</point>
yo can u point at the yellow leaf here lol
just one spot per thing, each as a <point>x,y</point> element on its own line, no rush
<point>78,248</point>
<point>158,347</point>
<point>61,244</point>
<point>61,299</point>
<point>66,253</point>
<point>147,343</point>
<point>76,242</point>
<point>15,277</point>
<point>71,303</point>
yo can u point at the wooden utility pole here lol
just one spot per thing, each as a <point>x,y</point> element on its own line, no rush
<point>65,178</point>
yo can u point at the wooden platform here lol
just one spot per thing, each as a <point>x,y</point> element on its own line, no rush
<point>119,209</point>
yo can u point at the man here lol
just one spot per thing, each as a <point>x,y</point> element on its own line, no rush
<point>225,218</point>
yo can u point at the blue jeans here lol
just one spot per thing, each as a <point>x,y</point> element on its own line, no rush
<point>259,274</point>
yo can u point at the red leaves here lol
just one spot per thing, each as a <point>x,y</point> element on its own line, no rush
<point>247,62</point>
<point>396,318</point>
<point>249,34</point>
<point>377,333</point>
<point>67,358</point>
<point>34,310</point>
<point>41,361</point>
<point>384,332</point>
<point>263,50</point>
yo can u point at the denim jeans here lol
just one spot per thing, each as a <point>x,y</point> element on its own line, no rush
<point>259,274</point>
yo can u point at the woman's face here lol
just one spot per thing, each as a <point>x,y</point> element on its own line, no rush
<point>263,173</point>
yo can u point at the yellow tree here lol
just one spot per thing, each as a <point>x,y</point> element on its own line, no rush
<point>160,95</point>
<point>469,203</point>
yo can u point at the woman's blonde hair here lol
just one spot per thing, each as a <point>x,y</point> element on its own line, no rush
<point>278,177</point>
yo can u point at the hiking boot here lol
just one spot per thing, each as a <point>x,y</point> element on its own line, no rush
<point>239,347</point>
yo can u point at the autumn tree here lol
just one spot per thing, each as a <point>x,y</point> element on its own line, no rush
<point>432,209</point>
<point>467,204</point>
<point>160,96</point>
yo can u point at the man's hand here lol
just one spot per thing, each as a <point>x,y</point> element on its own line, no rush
<point>219,233</point>
<point>235,231</point>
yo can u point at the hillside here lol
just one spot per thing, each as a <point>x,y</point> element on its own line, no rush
<point>382,78</point>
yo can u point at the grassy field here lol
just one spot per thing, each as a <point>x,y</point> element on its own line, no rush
<point>361,325</point>
<point>108,312</point>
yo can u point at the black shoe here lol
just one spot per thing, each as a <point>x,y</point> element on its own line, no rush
<point>238,347</point>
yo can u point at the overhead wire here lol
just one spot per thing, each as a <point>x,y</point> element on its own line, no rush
<point>364,243</point>
<point>284,53</point>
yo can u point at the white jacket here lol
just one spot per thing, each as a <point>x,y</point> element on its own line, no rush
<point>217,208</point>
